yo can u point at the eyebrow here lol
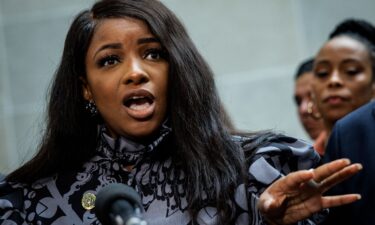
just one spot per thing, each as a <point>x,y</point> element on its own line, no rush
<point>148,40</point>
<point>119,45</point>
<point>348,60</point>
<point>108,46</point>
<point>323,61</point>
<point>351,60</point>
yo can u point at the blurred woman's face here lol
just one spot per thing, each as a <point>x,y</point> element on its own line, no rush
<point>127,77</point>
<point>302,96</point>
<point>342,78</point>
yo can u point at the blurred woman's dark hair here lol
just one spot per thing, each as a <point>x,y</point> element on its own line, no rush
<point>305,67</point>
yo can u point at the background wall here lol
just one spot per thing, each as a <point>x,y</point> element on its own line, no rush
<point>253,46</point>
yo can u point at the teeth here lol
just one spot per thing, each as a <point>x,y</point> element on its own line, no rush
<point>138,102</point>
<point>136,97</point>
<point>142,106</point>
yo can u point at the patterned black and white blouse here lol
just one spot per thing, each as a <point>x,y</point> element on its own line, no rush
<point>57,200</point>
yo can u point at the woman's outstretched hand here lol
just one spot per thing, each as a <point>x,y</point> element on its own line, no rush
<point>299,194</point>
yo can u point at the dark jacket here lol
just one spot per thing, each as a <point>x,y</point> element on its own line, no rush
<point>353,137</point>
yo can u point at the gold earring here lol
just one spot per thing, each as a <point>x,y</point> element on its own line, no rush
<point>310,111</point>
<point>309,107</point>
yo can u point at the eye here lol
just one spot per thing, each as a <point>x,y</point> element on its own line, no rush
<point>322,69</point>
<point>155,54</point>
<point>109,60</point>
<point>297,100</point>
<point>321,73</point>
<point>352,71</point>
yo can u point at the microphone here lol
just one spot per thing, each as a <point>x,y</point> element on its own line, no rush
<point>119,204</point>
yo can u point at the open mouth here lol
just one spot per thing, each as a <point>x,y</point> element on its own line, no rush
<point>139,104</point>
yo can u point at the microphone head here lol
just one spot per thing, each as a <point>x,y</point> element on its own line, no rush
<point>111,193</point>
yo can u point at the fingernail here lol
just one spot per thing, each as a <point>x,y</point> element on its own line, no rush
<point>359,166</point>
<point>359,197</point>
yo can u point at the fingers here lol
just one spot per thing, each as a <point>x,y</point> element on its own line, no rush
<point>340,176</point>
<point>333,201</point>
<point>275,195</point>
<point>326,170</point>
<point>334,172</point>
<point>295,179</point>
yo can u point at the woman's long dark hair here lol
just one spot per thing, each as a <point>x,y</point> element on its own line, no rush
<point>213,163</point>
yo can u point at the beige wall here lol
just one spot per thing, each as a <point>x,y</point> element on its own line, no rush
<point>253,47</point>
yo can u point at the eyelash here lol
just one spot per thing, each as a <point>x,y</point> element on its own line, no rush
<point>162,54</point>
<point>321,74</point>
<point>353,72</point>
<point>110,60</point>
<point>103,61</point>
<point>325,73</point>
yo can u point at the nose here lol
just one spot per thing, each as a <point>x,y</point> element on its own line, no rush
<point>135,74</point>
<point>335,80</point>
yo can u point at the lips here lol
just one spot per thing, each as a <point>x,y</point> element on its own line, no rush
<point>335,99</point>
<point>139,104</point>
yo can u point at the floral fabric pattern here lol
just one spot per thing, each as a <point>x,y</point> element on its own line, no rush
<point>57,200</point>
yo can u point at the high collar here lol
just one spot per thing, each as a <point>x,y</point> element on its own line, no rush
<point>126,150</point>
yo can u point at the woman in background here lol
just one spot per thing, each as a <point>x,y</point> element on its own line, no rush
<point>309,117</point>
<point>134,102</point>
<point>344,72</point>
<point>353,137</point>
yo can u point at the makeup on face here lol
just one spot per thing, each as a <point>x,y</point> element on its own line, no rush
<point>127,77</point>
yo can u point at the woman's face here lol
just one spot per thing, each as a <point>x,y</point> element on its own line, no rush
<point>342,77</point>
<point>127,77</point>
<point>302,96</point>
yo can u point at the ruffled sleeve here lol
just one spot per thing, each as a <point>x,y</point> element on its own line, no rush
<point>11,205</point>
<point>274,159</point>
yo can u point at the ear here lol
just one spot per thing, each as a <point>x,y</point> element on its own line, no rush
<point>86,91</point>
